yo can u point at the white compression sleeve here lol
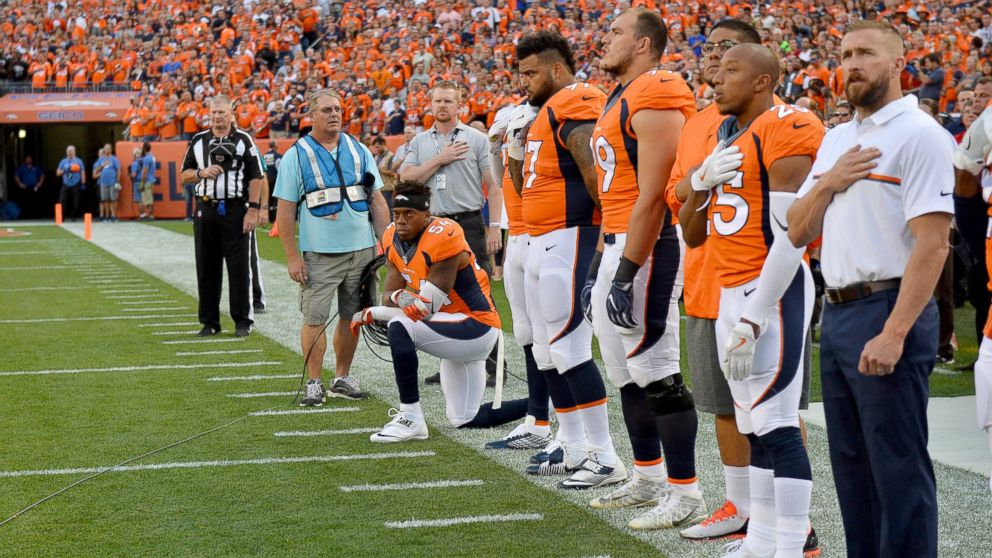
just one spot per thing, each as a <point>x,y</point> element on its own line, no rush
<point>975,145</point>
<point>437,297</point>
<point>385,313</point>
<point>780,265</point>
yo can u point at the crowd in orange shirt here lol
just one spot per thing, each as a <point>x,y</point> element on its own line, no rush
<point>266,54</point>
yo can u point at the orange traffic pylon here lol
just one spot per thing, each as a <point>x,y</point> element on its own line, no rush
<point>88,226</point>
<point>58,214</point>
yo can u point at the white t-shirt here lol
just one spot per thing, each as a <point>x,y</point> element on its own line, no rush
<point>866,235</point>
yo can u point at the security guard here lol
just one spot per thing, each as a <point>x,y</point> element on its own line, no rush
<point>227,169</point>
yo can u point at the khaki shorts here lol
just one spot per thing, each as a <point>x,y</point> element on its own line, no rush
<point>147,197</point>
<point>332,274</point>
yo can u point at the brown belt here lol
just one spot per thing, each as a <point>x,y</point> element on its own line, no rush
<point>858,291</point>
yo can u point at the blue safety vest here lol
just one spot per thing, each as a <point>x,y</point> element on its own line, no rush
<point>328,180</point>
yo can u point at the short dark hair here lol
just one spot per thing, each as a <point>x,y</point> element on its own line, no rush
<point>745,31</point>
<point>649,24</point>
<point>146,147</point>
<point>411,188</point>
<point>542,43</point>
<point>984,80</point>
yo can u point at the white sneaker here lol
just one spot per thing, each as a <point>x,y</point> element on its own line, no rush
<point>678,507</point>
<point>723,523</point>
<point>638,491</point>
<point>403,427</point>
<point>591,474</point>
<point>737,549</point>
<point>524,436</point>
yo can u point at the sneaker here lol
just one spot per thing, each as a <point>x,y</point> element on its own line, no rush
<point>638,491</point>
<point>812,547</point>
<point>521,437</point>
<point>591,474</point>
<point>946,360</point>
<point>207,331</point>
<point>433,379</point>
<point>259,308</point>
<point>346,387</point>
<point>724,523</point>
<point>736,549</point>
<point>403,427</point>
<point>678,507</point>
<point>315,394</point>
<point>242,331</point>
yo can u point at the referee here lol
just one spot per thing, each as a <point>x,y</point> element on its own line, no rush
<point>880,193</point>
<point>225,165</point>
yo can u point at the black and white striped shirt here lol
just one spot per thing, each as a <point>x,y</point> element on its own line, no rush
<point>247,165</point>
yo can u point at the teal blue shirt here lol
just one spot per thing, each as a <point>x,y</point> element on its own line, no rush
<point>351,230</point>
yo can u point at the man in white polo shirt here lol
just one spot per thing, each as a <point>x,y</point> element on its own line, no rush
<point>880,193</point>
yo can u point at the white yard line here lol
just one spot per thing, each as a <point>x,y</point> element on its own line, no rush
<point>409,485</point>
<point>32,267</point>
<point>224,463</point>
<point>169,324</point>
<point>155,301</point>
<point>26,289</point>
<point>26,253</point>
<point>187,341</point>
<point>311,433</point>
<point>140,368</point>
<point>132,296</point>
<point>145,290</point>
<point>265,394</point>
<point>250,378</point>
<point>315,411</point>
<point>231,352</point>
<point>414,523</point>
<point>184,332</point>
<point>91,318</point>
<point>154,309</point>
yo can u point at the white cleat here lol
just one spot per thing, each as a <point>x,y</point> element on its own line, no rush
<point>637,492</point>
<point>524,436</point>
<point>592,474</point>
<point>677,508</point>
<point>404,427</point>
<point>724,523</point>
<point>738,549</point>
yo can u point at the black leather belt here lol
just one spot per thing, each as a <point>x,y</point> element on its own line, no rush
<point>456,217</point>
<point>212,202</point>
<point>858,291</point>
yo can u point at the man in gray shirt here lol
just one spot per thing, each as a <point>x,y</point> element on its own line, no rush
<point>453,160</point>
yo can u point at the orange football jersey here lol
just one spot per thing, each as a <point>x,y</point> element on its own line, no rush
<point>988,264</point>
<point>740,229</point>
<point>614,142</point>
<point>441,240</point>
<point>554,193</point>
<point>511,199</point>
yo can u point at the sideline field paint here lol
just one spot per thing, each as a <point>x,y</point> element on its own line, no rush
<point>414,523</point>
<point>250,378</point>
<point>305,411</point>
<point>184,332</point>
<point>409,485</point>
<point>169,324</point>
<point>140,368</point>
<point>231,352</point>
<point>225,463</point>
<point>93,318</point>
<point>266,394</point>
<point>154,309</point>
<point>309,433</point>
<point>132,296</point>
<point>26,289</point>
<point>155,301</point>
<point>26,253</point>
<point>33,267</point>
<point>225,340</point>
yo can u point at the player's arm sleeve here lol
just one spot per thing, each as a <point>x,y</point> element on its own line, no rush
<point>927,173</point>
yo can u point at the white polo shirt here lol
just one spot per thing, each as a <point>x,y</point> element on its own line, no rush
<point>866,235</point>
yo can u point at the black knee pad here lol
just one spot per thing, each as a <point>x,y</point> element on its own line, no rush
<point>785,450</point>
<point>669,395</point>
<point>759,457</point>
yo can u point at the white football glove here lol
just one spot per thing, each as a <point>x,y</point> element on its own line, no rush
<point>719,168</point>
<point>517,128</point>
<point>497,131</point>
<point>739,355</point>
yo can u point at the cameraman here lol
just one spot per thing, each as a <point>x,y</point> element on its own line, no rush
<point>225,165</point>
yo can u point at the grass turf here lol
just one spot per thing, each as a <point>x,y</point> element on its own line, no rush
<point>96,419</point>
<point>946,381</point>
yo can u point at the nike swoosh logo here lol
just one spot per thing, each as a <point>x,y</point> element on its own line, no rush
<point>739,345</point>
<point>587,97</point>
<point>779,223</point>
<point>968,146</point>
<point>748,293</point>
<point>546,248</point>
<point>665,80</point>
<point>796,125</point>
<point>946,193</point>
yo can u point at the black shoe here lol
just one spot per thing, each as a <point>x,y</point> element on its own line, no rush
<point>433,379</point>
<point>812,547</point>
<point>242,331</point>
<point>207,331</point>
<point>259,308</point>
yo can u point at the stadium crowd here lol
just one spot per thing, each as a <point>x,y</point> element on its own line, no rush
<point>384,57</point>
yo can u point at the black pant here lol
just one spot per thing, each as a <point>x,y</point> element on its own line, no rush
<point>257,287</point>
<point>71,200</point>
<point>219,239</point>
<point>475,234</point>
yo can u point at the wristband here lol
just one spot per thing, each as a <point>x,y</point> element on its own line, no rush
<point>198,174</point>
<point>626,271</point>
<point>594,267</point>
<point>494,224</point>
<point>253,205</point>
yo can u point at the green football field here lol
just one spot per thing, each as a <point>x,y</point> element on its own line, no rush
<point>100,366</point>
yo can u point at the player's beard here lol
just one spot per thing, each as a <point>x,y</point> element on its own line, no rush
<point>870,92</point>
<point>620,66</point>
<point>539,98</point>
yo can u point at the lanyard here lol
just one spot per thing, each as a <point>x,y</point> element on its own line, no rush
<point>437,144</point>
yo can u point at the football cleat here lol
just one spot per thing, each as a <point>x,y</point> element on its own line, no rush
<point>737,549</point>
<point>812,547</point>
<point>404,427</point>
<point>315,394</point>
<point>678,507</point>
<point>638,491</point>
<point>591,474</point>
<point>522,437</point>
<point>553,464</point>
<point>556,454</point>
<point>724,523</point>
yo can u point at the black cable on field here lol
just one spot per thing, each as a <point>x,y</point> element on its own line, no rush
<point>121,464</point>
